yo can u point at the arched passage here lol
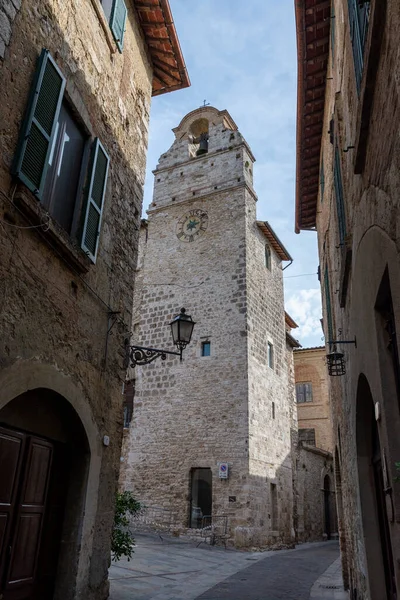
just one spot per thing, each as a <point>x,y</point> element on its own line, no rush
<point>45,461</point>
<point>327,507</point>
<point>373,503</point>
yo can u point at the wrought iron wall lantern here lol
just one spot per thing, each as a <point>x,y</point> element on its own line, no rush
<point>181,330</point>
<point>335,360</point>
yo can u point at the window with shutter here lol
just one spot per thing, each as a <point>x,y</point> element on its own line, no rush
<point>51,157</point>
<point>359,19</point>
<point>38,130</point>
<point>95,200</point>
<point>337,176</point>
<point>117,22</point>
<point>328,304</point>
<point>322,179</point>
<point>304,392</point>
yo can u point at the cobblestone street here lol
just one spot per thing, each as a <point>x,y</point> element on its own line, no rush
<point>175,569</point>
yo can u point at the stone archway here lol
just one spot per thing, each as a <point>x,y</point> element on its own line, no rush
<point>32,389</point>
<point>373,506</point>
<point>46,457</point>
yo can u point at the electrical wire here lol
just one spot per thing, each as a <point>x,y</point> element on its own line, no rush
<point>302,275</point>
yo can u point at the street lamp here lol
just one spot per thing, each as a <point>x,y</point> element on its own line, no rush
<point>181,330</point>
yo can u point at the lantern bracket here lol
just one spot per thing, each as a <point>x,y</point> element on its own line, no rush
<point>141,355</point>
<point>181,329</point>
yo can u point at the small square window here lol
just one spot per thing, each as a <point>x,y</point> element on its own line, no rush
<point>270,355</point>
<point>206,348</point>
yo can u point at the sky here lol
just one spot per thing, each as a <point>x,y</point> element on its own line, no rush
<point>241,56</point>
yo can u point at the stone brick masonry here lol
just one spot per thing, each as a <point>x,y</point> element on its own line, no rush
<point>217,408</point>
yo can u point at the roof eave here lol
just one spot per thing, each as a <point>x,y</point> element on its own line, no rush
<point>274,240</point>
<point>172,65</point>
<point>314,53</point>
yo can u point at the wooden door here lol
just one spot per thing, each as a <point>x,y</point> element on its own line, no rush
<point>12,445</point>
<point>31,476</point>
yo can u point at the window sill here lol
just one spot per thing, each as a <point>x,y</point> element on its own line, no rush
<point>54,236</point>
<point>105,26</point>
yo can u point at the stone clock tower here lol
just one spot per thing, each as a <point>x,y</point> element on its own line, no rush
<point>212,435</point>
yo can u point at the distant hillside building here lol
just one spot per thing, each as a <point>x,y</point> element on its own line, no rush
<point>232,398</point>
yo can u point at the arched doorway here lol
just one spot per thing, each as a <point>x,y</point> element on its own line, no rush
<point>327,507</point>
<point>372,496</point>
<point>44,463</point>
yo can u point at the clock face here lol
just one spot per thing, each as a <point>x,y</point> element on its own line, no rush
<point>192,225</point>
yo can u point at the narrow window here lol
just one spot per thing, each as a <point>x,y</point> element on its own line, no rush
<point>107,7</point>
<point>116,12</point>
<point>273,410</point>
<point>322,179</point>
<point>274,507</point>
<point>304,392</point>
<point>359,20</point>
<point>270,355</point>
<point>200,497</point>
<point>206,348</point>
<point>337,176</point>
<point>307,436</point>
<point>328,305</point>
<point>268,257</point>
<point>129,394</point>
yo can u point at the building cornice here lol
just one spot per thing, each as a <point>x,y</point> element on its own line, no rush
<point>209,194</point>
<point>313,36</point>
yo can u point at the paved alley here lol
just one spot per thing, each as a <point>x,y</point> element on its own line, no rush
<point>175,569</point>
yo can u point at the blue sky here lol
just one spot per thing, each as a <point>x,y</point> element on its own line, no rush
<point>241,56</point>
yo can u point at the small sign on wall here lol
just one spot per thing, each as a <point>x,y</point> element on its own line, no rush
<point>223,470</point>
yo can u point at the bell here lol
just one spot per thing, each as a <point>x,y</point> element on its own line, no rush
<point>203,147</point>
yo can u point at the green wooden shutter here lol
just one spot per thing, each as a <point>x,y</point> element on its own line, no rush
<point>359,19</point>
<point>37,132</point>
<point>328,305</point>
<point>337,176</point>
<point>117,22</point>
<point>95,200</point>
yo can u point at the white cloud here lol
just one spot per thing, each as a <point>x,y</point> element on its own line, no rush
<point>304,306</point>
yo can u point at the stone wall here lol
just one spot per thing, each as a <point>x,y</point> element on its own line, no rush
<point>313,467</point>
<point>8,12</point>
<point>217,408</point>
<point>363,278</point>
<point>54,303</point>
<point>310,367</point>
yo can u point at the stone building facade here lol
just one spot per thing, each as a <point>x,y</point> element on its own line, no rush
<point>315,489</point>
<point>312,396</point>
<point>348,181</point>
<point>231,401</point>
<point>76,80</point>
